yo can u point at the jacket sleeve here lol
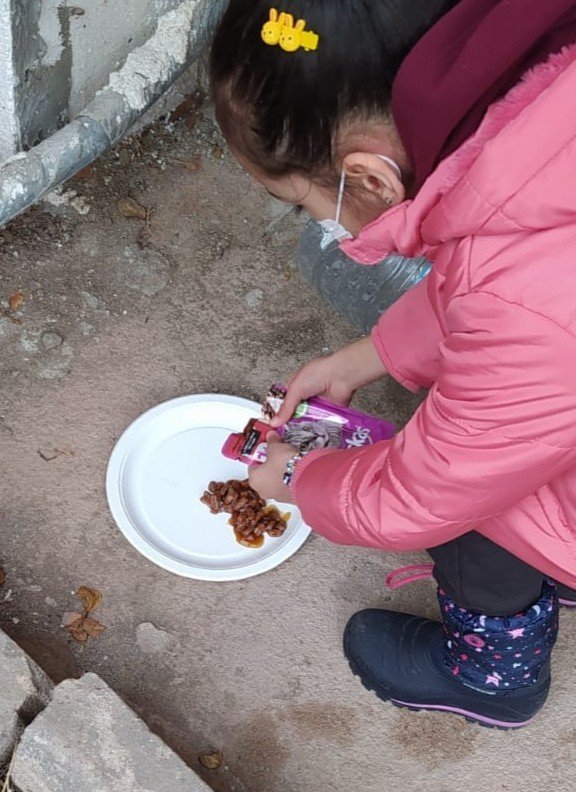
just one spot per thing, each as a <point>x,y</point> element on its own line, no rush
<point>498,423</point>
<point>407,337</point>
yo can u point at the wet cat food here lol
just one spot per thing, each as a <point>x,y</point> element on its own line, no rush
<point>250,517</point>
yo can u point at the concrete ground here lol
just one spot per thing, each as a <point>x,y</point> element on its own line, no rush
<point>117,317</point>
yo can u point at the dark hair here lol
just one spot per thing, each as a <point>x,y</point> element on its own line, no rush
<point>283,110</point>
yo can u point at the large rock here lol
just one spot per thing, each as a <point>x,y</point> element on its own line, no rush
<point>24,691</point>
<point>88,740</point>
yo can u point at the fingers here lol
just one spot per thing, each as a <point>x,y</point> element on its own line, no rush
<point>267,479</point>
<point>308,381</point>
<point>293,398</point>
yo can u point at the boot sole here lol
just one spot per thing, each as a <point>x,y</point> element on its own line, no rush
<point>471,717</point>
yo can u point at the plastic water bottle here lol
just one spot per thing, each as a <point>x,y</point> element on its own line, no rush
<point>359,292</point>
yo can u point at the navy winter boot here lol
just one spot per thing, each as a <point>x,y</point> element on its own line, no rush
<point>494,670</point>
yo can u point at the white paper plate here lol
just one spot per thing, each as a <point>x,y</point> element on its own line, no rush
<point>156,475</point>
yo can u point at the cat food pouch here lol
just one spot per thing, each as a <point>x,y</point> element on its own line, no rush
<point>316,423</point>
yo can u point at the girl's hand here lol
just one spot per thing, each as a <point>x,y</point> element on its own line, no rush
<point>267,479</point>
<point>335,377</point>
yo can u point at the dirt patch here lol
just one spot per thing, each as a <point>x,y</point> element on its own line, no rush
<point>315,720</point>
<point>433,739</point>
<point>261,753</point>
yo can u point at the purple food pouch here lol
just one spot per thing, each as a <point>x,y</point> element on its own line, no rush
<point>318,423</point>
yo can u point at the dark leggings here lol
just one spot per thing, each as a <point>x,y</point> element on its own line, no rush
<point>481,576</point>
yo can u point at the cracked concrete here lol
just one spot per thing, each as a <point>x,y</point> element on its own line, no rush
<point>117,318</point>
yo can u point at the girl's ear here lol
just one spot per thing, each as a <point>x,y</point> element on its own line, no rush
<point>375,176</point>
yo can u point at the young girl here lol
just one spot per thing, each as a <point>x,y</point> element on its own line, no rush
<point>443,130</point>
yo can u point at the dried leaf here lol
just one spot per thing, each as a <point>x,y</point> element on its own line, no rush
<point>9,316</point>
<point>2,577</point>
<point>93,627</point>
<point>82,627</point>
<point>211,760</point>
<point>193,165</point>
<point>218,151</point>
<point>91,598</point>
<point>189,108</point>
<point>130,208</point>
<point>15,300</point>
<point>70,617</point>
<point>49,454</point>
<point>77,631</point>
<point>86,173</point>
<point>144,237</point>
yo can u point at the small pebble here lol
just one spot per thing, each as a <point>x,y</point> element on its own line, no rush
<point>150,639</point>
<point>254,298</point>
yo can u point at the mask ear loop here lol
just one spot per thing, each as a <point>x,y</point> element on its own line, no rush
<point>340,196</point>
<point>391,163</point>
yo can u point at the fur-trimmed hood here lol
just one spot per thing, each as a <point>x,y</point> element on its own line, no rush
<point>525,139</point>
<point>472,57</point>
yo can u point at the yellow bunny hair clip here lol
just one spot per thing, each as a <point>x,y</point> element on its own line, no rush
<point>280,29</point>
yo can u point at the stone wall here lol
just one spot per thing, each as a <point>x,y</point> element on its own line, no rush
<point>78,736</point>
<point>55,55</point>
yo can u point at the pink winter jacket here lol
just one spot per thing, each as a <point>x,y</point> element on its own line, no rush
<point>492,334</point>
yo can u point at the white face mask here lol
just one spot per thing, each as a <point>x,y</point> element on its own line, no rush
<point>333,230</point>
